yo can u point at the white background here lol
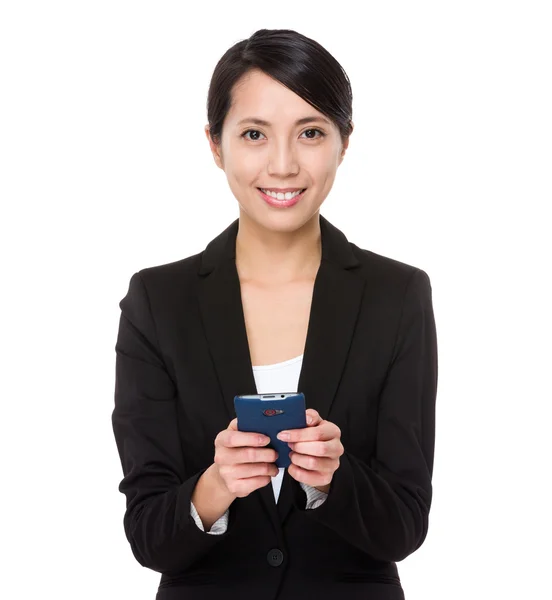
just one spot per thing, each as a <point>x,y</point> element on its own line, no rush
<point>105,169</point>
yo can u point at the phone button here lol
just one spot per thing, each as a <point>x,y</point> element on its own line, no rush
<point>275,557</point>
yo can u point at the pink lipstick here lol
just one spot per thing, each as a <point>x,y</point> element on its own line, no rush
<point>281,203</point>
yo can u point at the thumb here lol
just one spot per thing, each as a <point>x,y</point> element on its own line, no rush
<point>313,417</point>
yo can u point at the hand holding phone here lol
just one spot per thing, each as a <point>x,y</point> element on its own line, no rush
<point>269,414</point>
<point>243,462</point>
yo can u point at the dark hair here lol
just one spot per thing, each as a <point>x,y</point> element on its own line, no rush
<point>296,61</point>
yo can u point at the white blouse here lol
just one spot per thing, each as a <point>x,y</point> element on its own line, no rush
<point>282,376</point>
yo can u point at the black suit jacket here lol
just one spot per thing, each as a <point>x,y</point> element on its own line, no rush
<point>369,365</point>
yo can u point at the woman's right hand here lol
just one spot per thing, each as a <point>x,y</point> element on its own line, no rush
<point>242,462</point>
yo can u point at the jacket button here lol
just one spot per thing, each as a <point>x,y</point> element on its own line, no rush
<point>275,557</point>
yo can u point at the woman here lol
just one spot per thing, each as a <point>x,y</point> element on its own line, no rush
<point>279,301</point>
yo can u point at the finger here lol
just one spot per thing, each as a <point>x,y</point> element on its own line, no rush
<point>248,438</point>
<point>325,448</point>
<point>313,417</point>
<point>310,477</point>
<point>254,455</point>
<point>325,430</point>
<point>233,438</point>
<point>312,463</point>
<point>246,470</point>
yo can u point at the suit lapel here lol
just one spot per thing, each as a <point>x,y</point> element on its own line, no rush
<point>335,304</point>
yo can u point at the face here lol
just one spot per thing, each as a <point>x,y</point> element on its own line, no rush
<point>278,154</point>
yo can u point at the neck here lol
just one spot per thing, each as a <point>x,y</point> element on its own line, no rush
<point>277,257</point>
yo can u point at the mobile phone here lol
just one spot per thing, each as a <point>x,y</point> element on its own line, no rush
<point>269,414</point>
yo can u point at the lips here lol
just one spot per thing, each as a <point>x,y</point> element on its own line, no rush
<point>281,203</point>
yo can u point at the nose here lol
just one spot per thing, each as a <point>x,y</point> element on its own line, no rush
<point>283,160</point>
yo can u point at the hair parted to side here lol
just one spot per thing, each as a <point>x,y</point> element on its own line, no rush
<point>296,61</point>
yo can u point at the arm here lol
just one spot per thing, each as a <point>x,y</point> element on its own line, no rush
<point>158,488</point>
<point>382,506</point>
<point>210,503</point>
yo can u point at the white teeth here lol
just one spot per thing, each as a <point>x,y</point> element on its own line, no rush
<point>282,196</point>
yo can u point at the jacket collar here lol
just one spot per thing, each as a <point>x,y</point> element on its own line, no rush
<point>335,247</point>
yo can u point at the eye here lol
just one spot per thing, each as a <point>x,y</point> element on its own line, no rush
<point>251,131</point>
<point>322,134</point>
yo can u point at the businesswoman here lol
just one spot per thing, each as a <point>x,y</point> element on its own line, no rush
<point>278,301</point>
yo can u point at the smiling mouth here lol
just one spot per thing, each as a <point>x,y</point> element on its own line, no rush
<point>295,192</point>
<point>283,202</point>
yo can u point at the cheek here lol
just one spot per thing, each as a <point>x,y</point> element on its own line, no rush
<point>321,167</point>
<point>330,177</point>
<point>244,168</point>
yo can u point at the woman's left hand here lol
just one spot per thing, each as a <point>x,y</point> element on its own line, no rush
<point>315,451</point>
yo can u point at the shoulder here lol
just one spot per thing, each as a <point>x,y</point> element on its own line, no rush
<point>386,271</point>
<point>392,284</point>
<point>172,279</point>
<point>184,267</point>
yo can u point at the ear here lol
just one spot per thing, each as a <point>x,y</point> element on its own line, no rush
<point>346,144</point>
<point>215,149</point>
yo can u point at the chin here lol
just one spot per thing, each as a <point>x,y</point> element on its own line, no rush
<point>284,220</point>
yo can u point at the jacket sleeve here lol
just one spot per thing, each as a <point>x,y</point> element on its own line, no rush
<point>381,506</point>
<point>158,487</point>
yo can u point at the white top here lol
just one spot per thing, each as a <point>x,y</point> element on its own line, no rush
<point>277,377</point>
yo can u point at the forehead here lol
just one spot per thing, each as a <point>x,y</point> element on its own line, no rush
<point>258,95</point>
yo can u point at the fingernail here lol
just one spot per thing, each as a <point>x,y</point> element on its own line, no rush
<point>309,419</point>
<point>283,435</point>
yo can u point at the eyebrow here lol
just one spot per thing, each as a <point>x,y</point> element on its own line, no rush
<point>303,121</point>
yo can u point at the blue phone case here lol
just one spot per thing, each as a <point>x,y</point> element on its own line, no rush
<point>269,414</point>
